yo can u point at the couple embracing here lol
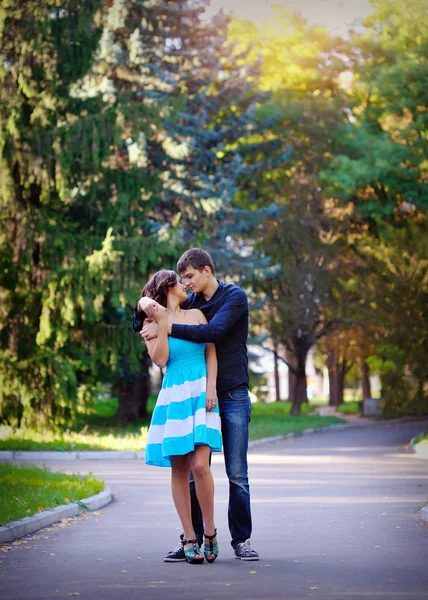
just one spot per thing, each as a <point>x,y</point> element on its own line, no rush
<point>204,400</point>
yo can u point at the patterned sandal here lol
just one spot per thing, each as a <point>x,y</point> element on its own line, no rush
<point>193,555</point>
<point>211,547</point>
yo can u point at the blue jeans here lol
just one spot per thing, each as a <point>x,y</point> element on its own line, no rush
<point>235,414</point>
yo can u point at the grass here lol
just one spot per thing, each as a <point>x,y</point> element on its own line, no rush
<point>25,490</point>
<point>96,431</point>
<point>422,438</point>
<point>99,437</point>
<point>269,420</point>
<point>99,431</point>
<point>350,408</point>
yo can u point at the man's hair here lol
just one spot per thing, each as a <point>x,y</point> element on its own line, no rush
<point>196,258</point>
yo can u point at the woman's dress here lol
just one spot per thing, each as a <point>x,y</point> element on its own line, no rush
<point>180,420</point>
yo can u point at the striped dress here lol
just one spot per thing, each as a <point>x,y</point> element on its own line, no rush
<point>180,420</point>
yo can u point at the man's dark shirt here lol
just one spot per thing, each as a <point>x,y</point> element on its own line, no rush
<point>227,316</point>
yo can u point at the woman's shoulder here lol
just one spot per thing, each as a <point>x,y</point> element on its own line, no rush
<point>196,316</point>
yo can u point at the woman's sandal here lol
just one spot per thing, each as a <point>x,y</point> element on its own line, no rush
<point>193,555</point>
<point>211,548</point>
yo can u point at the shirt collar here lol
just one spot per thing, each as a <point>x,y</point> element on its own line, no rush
<point>201,297</point>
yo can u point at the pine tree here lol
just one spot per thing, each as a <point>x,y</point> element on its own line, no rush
<point>119,129</point>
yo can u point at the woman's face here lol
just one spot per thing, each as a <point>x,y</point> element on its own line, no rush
<point>178,290</point>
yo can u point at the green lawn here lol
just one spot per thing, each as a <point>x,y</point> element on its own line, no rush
<point>98,431</point>
<point>422,439</point>
<point>268,420</point>
<point>25,490</point>
<point>99,436</point>
<point>352,407</point>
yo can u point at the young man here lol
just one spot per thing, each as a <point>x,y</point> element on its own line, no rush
<point>226,310</point>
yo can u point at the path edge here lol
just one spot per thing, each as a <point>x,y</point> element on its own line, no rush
<point>27,525</point>
<point>141,454</point>
<point>421,450</point>
<point>423,513</point>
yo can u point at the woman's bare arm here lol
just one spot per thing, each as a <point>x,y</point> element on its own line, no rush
<point>211,358</point>
<point>158,347</point>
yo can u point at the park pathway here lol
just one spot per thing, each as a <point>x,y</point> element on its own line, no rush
<point>334,519</point>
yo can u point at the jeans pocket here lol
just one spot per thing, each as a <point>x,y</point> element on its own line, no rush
<point>240,393</point>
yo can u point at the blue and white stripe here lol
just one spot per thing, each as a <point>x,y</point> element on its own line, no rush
<point>180,420</point>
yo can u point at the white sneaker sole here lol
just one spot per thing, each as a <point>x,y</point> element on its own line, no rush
<point>174,560</point>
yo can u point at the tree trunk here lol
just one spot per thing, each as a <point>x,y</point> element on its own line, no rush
<point>337,368</point>
<point>332,360</point>
<point>341,372</point>
<point>365,380</point>
<point>300,395</point>
<point>276,374</point>
<point>291,385</point>
<point>133,392</point>
<point>300,387</point>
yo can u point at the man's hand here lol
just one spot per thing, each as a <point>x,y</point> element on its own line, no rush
<point>149,331</point>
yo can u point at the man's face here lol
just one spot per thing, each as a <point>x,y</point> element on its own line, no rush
<point>195,280</point>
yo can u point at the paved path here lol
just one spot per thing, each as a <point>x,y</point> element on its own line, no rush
<point>334,519</point>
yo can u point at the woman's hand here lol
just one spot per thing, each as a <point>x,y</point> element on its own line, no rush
<point>150,307</point>
<point>143,303</point>
<point>157,312</point>
<point>211,399</point>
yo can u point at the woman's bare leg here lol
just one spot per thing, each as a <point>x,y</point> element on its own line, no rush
<point>204,483</point>
<point>180,473</point>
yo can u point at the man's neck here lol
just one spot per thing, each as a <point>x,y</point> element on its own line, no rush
<point>210,289</point>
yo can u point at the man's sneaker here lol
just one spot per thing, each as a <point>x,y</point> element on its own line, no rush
<point>243,551</point>
<point>176,555</point>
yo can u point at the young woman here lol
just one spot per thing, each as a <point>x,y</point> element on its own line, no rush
<point>185,424</point>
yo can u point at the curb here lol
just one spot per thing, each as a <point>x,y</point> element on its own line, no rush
<point>18,529</point>
<point>140,454</point>
<point>337,427</point>
<point>421,450</point>
<point>423,513</point>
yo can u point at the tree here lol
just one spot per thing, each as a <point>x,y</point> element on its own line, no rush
<point>379,153</point>
<point>379,172</point>
<point>302,240</point>
<point>398,293</point>
<point>119,128</point>
<point>43,54</point>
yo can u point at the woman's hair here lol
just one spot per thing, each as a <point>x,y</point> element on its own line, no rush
<point>196,258</point>
<point>158,286</point>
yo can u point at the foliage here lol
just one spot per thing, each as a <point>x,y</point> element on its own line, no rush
<point>113,158</point>
<point>349,408</point>
<point>379,161</point>
<point>130,130</point>
<point>302,241</point>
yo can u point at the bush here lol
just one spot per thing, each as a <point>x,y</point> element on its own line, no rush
<point>350,408</point>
